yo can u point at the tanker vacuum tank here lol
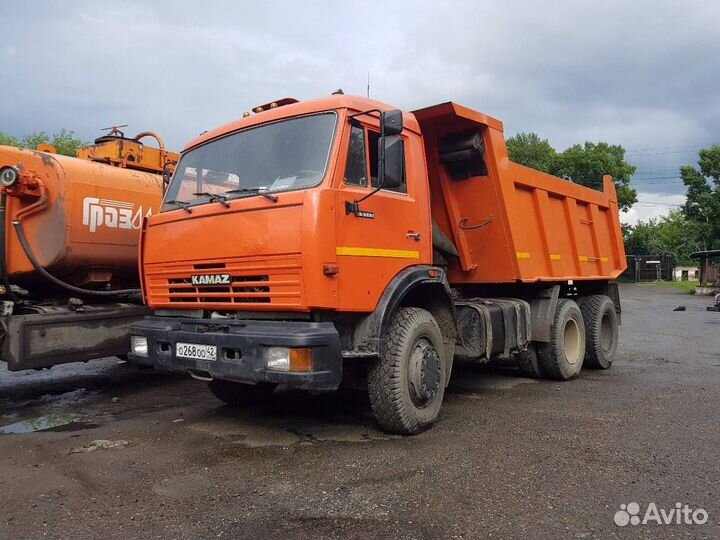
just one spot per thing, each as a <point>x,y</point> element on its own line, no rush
<point>80,216</point>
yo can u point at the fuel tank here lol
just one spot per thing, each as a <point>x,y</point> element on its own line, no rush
<point>80,217</point>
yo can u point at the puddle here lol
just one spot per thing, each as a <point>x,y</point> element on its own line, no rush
<point>43,423</point>
<point>52,401</point>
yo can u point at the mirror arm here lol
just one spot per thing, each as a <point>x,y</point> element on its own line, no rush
<point>364,112</point>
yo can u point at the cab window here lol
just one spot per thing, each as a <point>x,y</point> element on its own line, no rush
<point>356,167</point>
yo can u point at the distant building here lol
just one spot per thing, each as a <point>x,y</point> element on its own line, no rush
<point>686,273</point>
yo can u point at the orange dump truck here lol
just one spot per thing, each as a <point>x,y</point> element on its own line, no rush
<point>68,247</point>
<point>340,241</point>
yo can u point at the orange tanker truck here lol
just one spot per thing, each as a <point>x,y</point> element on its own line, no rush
<point>340,241</point>
<point>68,247</point>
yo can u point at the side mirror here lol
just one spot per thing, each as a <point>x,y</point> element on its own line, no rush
<point>392,122</point>
<point>394,167</point>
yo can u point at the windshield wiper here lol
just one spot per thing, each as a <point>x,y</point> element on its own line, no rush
<point>222,199</point>
<point>257,191</point>
<point>182,204</point>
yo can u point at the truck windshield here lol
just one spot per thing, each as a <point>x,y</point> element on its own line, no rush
<point>286,155</point>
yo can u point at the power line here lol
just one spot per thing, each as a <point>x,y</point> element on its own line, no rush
<point>677,182</point>
<point>663,153</point>
<point>671,147</point>
<point>655,203</point>
<point>657,172</point>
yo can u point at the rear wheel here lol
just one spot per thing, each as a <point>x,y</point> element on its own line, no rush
<point>601,329</point>
<point>407,383</point>
<point>238,394</point>
<point>562,357</point>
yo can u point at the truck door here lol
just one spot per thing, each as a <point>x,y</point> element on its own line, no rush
<point>394,230</point>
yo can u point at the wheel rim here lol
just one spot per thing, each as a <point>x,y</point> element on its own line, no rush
<point>571,340</point>
<point>606,333</point>
<point>423,372</point>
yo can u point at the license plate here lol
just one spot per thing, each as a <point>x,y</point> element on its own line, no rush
<point>195,351</point>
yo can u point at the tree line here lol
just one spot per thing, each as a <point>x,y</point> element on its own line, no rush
<point>64,141</point>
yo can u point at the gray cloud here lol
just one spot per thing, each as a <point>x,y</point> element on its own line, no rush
<point>642,74</point>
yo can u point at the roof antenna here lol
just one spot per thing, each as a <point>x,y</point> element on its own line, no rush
<point>368,87</point>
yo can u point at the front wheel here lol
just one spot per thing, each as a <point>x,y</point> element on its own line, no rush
<point>407,383</point>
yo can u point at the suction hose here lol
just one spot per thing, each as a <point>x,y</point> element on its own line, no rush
<point>3,248</point>
<point>47,275</point>
<point>154,135</point>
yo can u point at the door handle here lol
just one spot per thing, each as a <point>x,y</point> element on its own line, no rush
<point>414,236</point>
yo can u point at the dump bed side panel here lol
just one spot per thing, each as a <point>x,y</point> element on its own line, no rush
<point>510,223</point>
<point>560,230</point>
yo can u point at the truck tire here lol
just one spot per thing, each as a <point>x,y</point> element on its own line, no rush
<point>562,357</point>
<point>528,363</point>
<point>238,394</point>
<point>601,331</point>
<point>407,383</point>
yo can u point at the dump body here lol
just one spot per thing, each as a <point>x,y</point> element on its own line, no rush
<point>511,223</point>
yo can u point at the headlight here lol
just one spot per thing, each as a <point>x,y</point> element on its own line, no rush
<point>277,358</point>
<point>139,345</point>
<point>284,359</point>
<point>8,176</point>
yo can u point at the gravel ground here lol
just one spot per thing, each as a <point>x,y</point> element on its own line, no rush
<point>509,458</point>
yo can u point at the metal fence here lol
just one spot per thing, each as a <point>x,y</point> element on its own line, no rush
<point>649,267</point>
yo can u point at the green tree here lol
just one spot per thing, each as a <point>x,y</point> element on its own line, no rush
<point>673,234</point>
<point>586,164</point>
<point>65,141</point>
<point>9,140</point>
<point>702,206</point>
<point>532,151</point>
<point>638,238</point>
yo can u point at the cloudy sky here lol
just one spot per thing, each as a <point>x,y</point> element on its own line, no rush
<point>643,74</point>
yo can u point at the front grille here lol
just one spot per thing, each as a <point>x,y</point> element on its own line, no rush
<point>271,281</point>
<point>184,289</point>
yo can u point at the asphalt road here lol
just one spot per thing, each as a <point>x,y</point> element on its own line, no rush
<point>509,458</point>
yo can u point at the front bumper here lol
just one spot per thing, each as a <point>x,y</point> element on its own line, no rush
<point>240,349</point>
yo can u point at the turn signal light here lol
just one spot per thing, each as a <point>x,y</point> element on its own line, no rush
<point>301,360</point>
